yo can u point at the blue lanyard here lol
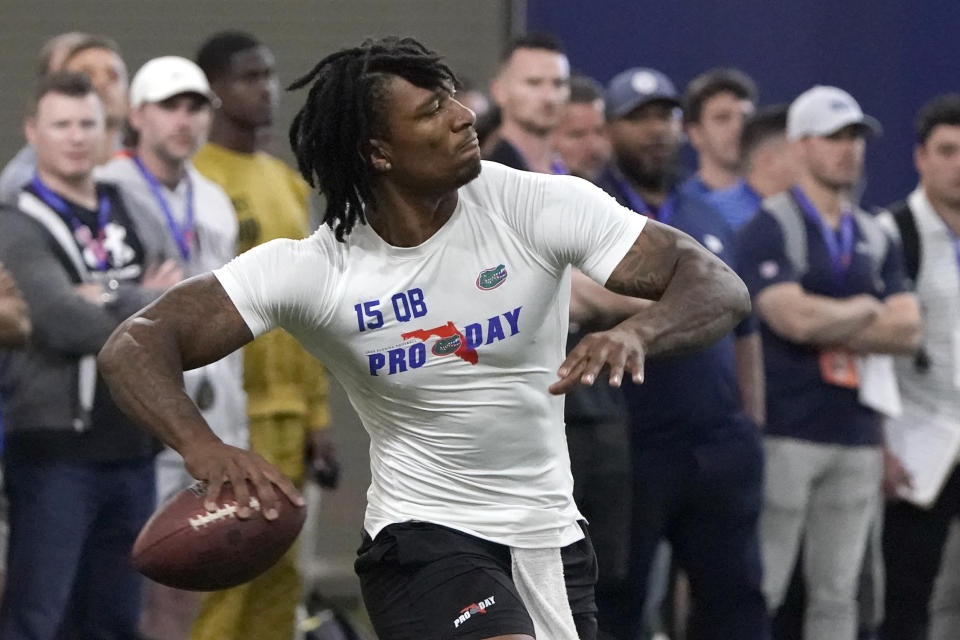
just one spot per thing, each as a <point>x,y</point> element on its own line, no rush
<point>559,168</point>
<point>636,202</point>
<point>840,249</point>
<point>83,234</point>
<point>184,235</point>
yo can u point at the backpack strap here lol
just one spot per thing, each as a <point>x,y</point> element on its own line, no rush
<point>788,215</point>
<point>898,219</point>
<point>909,237</point>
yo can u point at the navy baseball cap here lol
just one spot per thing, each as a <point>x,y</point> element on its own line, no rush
<point>636,87</point>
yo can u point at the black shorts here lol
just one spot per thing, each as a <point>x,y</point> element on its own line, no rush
<point>422,581</point>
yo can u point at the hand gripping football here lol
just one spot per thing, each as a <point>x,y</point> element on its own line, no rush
<point>187,547</point>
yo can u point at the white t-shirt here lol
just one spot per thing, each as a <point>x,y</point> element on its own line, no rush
<point>446,349</point>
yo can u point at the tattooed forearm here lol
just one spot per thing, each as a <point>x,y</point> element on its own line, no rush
<point>193,324</point>
<point>700,299</point>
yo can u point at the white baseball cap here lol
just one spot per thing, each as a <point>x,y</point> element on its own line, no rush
<point>167,76</point>
<point>822,111</point>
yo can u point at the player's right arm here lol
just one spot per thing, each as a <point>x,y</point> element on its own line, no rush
<point>192,324</point>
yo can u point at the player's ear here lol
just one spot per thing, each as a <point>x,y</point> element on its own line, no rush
<point>378,154</point>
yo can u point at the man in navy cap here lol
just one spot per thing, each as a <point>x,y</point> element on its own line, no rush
<point>697,456</point>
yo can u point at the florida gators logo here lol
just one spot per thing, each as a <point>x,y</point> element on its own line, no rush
<point>446,346</point>
<point>492,278</point>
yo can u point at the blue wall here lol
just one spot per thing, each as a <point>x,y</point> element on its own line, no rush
<point>892,55</point>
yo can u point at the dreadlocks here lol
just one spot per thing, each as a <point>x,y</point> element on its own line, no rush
<point>344,110</point>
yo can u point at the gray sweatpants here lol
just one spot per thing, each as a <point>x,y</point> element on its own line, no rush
<point>825,495</point>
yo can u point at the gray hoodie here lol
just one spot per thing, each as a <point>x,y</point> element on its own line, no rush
<point>43,385</point>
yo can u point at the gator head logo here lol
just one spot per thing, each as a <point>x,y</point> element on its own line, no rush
<point>446,346</point>
<point>492,278</point>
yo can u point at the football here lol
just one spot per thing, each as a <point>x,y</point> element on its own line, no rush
<point>187,547</point>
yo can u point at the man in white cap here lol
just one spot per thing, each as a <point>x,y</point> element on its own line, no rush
<point>171,111</point>
<point>829,289</point>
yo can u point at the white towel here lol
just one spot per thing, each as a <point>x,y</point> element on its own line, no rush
<point>538,575</point>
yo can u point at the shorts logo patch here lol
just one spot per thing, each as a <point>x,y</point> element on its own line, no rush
<point>492,278</point>
<point>473,609</point>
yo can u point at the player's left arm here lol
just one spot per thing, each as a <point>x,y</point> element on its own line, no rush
<point>699,299</point>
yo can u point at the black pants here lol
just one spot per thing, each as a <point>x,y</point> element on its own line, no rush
<point>600,462</point>
<point>704,498</point>
<point>913,540</point>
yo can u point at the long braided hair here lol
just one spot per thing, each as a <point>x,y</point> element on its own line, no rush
<point>344,110</point>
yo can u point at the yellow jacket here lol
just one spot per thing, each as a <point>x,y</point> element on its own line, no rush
<point>280,378</point>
